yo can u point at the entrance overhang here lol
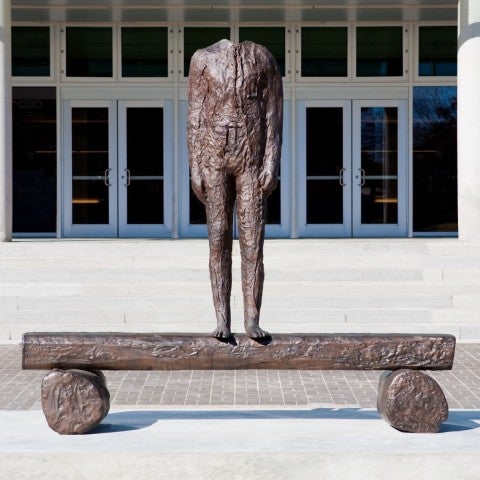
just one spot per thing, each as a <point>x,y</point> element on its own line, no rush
<point>222,11</point>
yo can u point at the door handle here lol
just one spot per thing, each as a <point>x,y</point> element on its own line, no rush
<point>341,178</point>
<point>127,183</point>
<point>362,177</point>
<point>106,177</point>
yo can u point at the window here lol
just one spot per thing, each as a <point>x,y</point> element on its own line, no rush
<point>271,37</point>
<point>144,52</point>
<point>437,51</point>
<point>324,52</point>
<point>89,52</point>
<point>200,37</point>
<point>435,159</point>
<point>379,51</point>
<point>31,51</point>
<point>34,160</point>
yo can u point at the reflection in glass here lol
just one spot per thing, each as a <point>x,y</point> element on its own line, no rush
<point>90,202</point>
<point>34,142</point>
<point>145,202</point>
<point>379,202</point>
<point>437,51</point>
<point>198,215</point>
<point>324,51</point>
<point>273,207</point>
<point>324,202</point>
<point>324,165</point>
<point>324,140</point>
<point>90,165</point>
<point>200,37</point>
<point>435,159</point>
<point>379,165</point>
<point>144,176</point>
<point>31,51</point>
<point>145,141</point>
<point>379,52</point>
<point>271,37</point>
<point>144,52</point>
<point>89,52</point>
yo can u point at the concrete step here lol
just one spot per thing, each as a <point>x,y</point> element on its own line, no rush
<point>161,260</point>
<point>417,285</point>
<point>195,300</point>
<point>186,273</point>
<point>14,323</point>
<point>199,247</point>
<point>280,288</point>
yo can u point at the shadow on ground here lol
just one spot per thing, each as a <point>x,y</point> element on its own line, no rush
<point>458,420</point>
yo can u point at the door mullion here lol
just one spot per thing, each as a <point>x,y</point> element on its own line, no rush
<point>348,166</point>
<point>119,185</point>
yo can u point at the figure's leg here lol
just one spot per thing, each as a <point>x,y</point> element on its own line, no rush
<point>219,207</point>
<point>251,225</point>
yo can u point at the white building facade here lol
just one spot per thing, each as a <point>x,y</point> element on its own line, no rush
<point>94,100</point>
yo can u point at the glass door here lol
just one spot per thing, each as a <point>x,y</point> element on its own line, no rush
<point>325,170</point>
<point>117,166</point>
<point>143,192</point>
<point>379,203</point>
<point>90,167</point>
<point>352,178</point>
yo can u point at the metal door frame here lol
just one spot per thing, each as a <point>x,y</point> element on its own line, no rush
<point>351,226</point>
<point>324,230</point>
<point>117,226</point>
<point>89,230</point>
<point>399,229</point>
<point>144,230</point>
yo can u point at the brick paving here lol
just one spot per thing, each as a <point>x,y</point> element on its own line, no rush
<point>20,390</point>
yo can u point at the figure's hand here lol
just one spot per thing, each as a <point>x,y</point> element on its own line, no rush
<point>198,187</point>
<point>268,181</point>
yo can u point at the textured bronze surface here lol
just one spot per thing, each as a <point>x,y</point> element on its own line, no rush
<point>234,140</point>
<point>411,401</point>
<point>74,401</point>
<point>124,351</point>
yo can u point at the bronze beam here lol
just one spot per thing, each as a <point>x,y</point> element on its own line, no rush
<point>180,351</point>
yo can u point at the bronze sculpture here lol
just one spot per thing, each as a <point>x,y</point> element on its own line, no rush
<point>234,136</point>
<point>234,141</point>
<point>74,401</point>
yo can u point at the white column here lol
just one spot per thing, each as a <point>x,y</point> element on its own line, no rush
<point>469,120</point>
<point>5,124</point>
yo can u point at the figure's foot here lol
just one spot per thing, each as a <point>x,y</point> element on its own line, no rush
<point>254,331</point>
<point>222,332</point>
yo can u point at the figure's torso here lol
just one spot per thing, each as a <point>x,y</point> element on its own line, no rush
<point>233,80</point>
<point>236,78</point>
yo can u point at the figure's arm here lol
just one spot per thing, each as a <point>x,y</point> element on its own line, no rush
<point>273,96</point>
<point>197,92</point>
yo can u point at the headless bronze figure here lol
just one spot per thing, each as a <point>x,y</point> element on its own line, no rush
<point>234,141</point>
